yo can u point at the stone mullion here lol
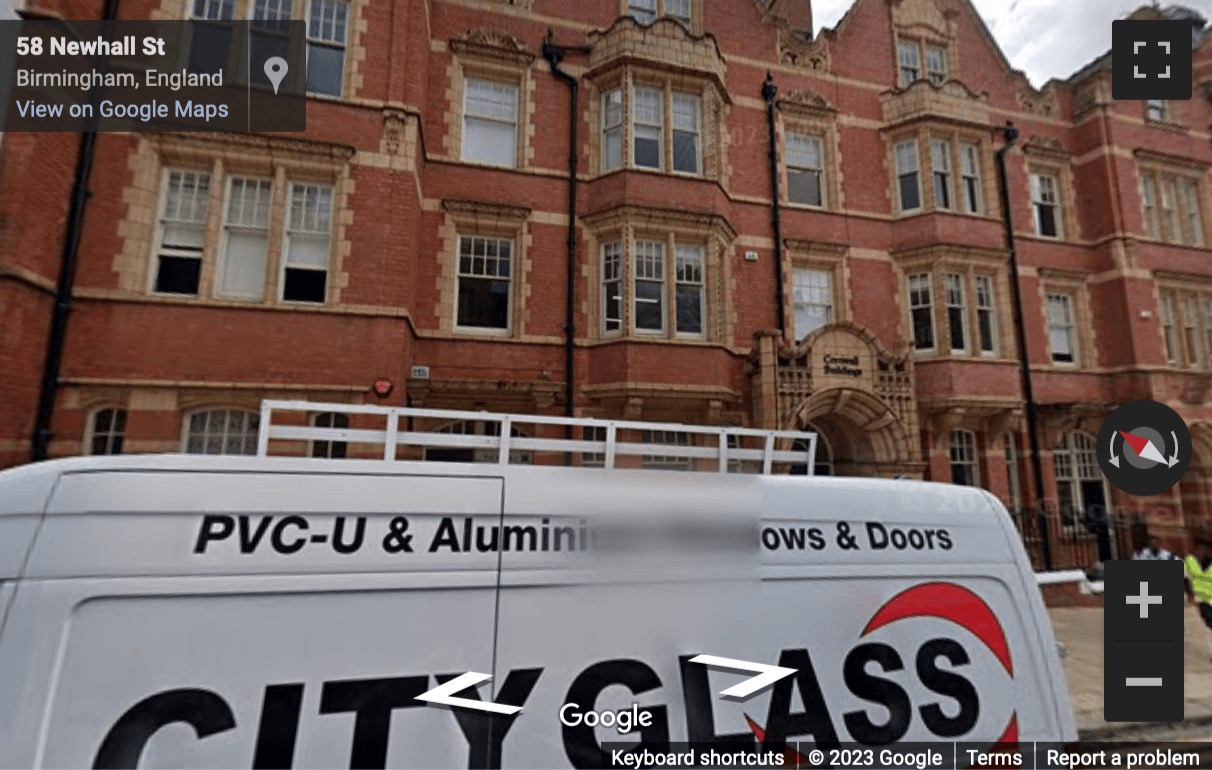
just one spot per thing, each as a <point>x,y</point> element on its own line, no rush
<point>277,237</point>
<point>214,231</point>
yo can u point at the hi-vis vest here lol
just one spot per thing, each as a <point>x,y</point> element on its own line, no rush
<point>1201,581</point>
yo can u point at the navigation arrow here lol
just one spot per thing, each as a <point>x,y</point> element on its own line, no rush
<point>1114,457</point>
<point>767,674</point>
<point>1172,460</point>
<point>444,694</point>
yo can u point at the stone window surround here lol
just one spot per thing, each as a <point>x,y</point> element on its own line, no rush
<point>355,51</point>
<point>924,38</point>
<point>221,162</point>
<point>968,262</point>
<point>631,223</point>
<point>925,134</point>
<point>488,56</point>
<point>696,14</point>
<point>830,258</point>
<point>1182,288</point>
<point>1057,282</point>
<point>627,78</point>
<point>471,218</point>
<point>821,123</point>
<point>1157,167</point>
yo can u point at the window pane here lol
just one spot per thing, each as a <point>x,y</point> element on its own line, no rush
<point>244,265</point>
<point>921,312</point>
<point>812,298</point>
<point>643,11</point>
<point>910,194</point>
<point>648,303</point>
<point>325,69</point>
<point>178,275</point>
<point>804,186</point>
<point>648,127</point>
<point>686,133</point>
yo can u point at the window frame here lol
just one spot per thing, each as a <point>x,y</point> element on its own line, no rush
<point>325,449</point>
<point>830,290</point>
<point>619,129</point>
<point>941,180</point>
<point>1038,177</point>
<point>327,43</point>
<point>283,261</point>
<point>1071,326</point>
<point>928,306</point>
<point>510,296</point>
<point>808,137</point>
<point>963,450</point>
<point>618,279</point>
<point>660,127</point>
<point>701,285</point>
<point>989,311</point>
<point>114,434</point>
<point>662,281</point>
<point>944,72</point>
<point>495,80</point>
<point>252,419</point>
<point>166,173</point>
<point>660,10</point>
<point>903,46</point>
<point>915,172</point>
<point>225,232</point>
<point>697,133</point>
<point>972,194</point>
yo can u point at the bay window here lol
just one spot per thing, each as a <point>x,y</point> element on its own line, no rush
<point>654,286</point>
<point>647,128</point>
<point>649,287</point>
<point>665,125</point>
<point>908,182</point>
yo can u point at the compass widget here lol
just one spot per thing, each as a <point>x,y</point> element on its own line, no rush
<point>1144,448</point>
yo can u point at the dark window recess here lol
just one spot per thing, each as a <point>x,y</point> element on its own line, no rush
<point>483,302</point>
<point>305,285</point>
<point>955,319</point>
<point>804,187</point>
<point>910,195</point>
<point>1047,219</point>
<point>325,69</point>
<point>331,449</point>
<point>686,152</point>
<point>942,191</point>
<point>178,275</point>
<point>690,309</point>
<point>1065,358</point>
<point>923,330</point>
<point>648,305</point>
<point>647,152</point>
<point>984,321</point>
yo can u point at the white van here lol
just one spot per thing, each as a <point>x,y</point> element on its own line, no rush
<point>253,612</point>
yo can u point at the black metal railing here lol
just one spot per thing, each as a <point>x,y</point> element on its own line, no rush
<point>1058,539</point>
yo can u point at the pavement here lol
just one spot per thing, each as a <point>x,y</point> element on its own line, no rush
<point>1080,631</point>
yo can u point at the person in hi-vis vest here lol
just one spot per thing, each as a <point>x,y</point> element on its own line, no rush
<point>1199,579</point>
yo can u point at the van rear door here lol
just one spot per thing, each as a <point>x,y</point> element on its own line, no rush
<point>199,619</point>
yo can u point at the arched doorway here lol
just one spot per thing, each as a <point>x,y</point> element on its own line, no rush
<point>857,434</point>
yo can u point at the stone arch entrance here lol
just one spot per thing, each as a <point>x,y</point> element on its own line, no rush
<point>862,433</point>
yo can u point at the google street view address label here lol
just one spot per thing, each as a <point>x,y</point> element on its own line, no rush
<point>66,75</point>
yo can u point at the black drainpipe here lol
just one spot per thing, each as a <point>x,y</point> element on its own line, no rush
<point>1010,134</point>
<point>769,92</point>
<point>554,55</point>
<point>49,388</point>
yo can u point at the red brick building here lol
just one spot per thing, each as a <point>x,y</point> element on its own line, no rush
<point>417,233</point>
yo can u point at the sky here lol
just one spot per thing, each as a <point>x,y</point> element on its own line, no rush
<point>1044,38</point>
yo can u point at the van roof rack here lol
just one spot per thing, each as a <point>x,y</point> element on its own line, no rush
<point>497,438</point>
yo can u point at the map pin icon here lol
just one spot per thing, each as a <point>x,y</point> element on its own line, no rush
<point>275,70</point>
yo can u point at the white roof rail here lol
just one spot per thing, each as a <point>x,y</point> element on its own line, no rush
<point>594,442</point>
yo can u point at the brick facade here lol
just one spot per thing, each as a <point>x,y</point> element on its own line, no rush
<point>1127,269</point>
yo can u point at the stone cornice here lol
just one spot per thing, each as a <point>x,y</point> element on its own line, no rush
<point>943,252</point>
<point>951,102</point>
<point>631,214</point>
<point>492,43</point>
<point>468,209</point>
<point>1165,159</point>
<point>263,148</point>
<point>806,102</point>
